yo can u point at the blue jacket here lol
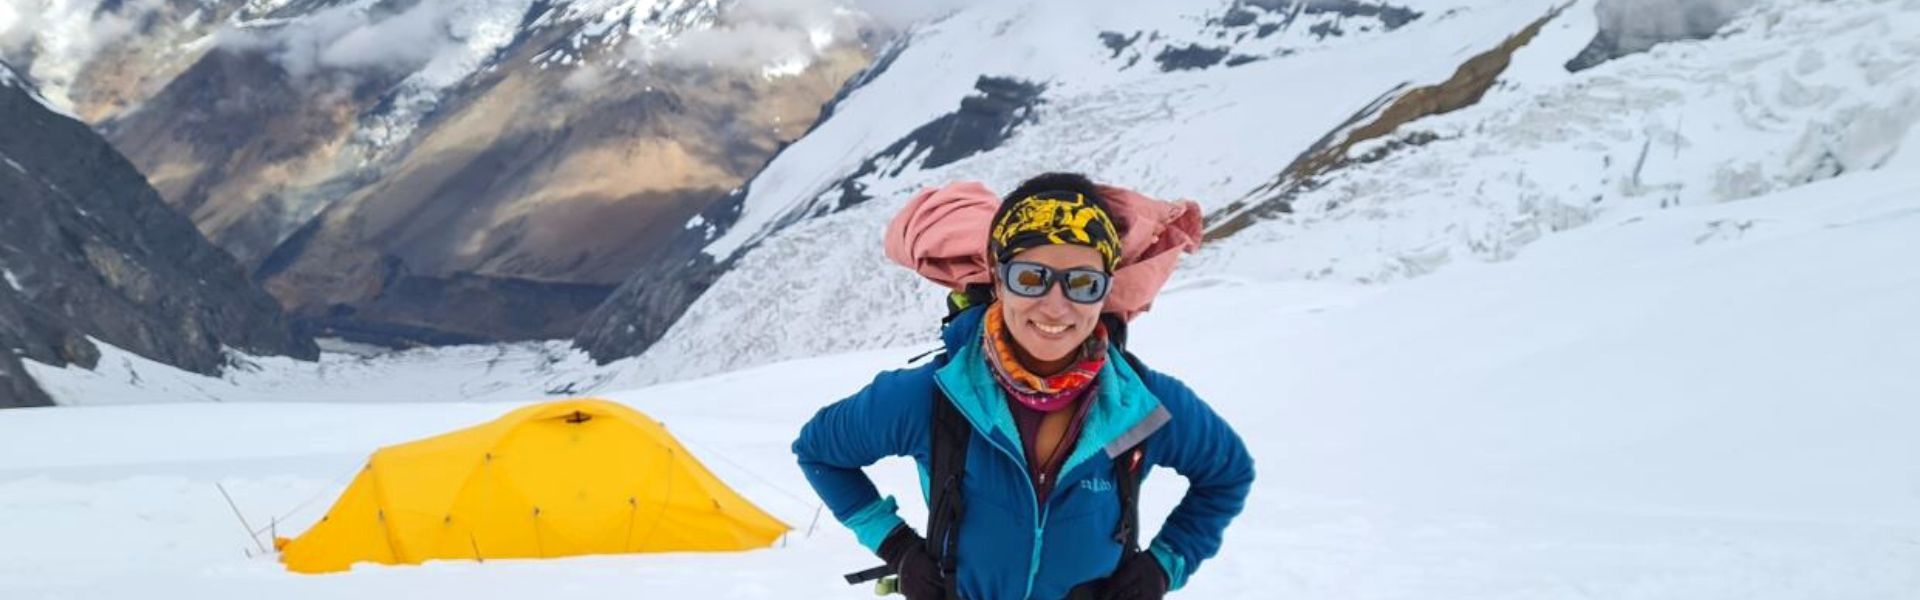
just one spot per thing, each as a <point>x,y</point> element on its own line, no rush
<point>1011,546</point>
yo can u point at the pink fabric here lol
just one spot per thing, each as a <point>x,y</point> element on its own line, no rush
<point>942,235</point>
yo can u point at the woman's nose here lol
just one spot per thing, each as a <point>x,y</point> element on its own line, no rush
<point>1055,300</point>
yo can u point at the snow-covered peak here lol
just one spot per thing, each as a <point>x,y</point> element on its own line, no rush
<point>606,27</point>
<point>1772,103</point>
<point>1166,61</point>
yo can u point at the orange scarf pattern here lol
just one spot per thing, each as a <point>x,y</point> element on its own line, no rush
<point>1042,393</point>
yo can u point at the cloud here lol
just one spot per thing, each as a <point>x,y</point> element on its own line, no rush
<point>352,38</point>
<point>783,36</point>
<point>739,46</point>
<point>54,41</point>
<point>584,80</point>
<point>18,22</point>
<point>900,14</point>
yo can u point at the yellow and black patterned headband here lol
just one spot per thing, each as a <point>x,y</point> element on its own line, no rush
<point>1055,218</point>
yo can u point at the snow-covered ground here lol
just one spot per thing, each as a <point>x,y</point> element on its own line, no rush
<point>1705,402</point>
<point>345,374</point>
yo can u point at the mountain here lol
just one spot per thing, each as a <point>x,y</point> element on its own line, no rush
<point>92,253</point>
<point>101,58</point>
<point>1347,141</point>
<point>440,171</point>
<point>1189,99</point>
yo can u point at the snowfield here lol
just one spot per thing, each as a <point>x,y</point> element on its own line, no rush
<point>1705,402</point>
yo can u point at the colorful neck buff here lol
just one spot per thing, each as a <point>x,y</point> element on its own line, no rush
<point>1041,393</point>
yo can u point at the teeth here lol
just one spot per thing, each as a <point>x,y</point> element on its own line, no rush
<point>1050,330</point>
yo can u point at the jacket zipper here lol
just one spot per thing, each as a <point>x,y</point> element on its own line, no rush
<point>1040,525</point>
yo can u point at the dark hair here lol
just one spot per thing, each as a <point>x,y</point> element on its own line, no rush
<point>1065,182</point>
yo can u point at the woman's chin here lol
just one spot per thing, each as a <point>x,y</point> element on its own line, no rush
<point>1047,350</point>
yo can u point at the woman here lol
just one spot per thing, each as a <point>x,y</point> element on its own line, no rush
<point>1058,422</point>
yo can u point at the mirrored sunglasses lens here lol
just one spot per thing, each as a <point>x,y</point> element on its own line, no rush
<point>1086,287</point>
<point>1027,280</point>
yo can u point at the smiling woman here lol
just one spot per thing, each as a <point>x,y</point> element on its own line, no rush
<point>1034,409</point>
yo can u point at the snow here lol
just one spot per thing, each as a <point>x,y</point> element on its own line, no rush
<point>1209,129</point>
<point>13,281</point>
<point>614,24</point>
<point>1208,135</point>
<point>346,373</point>
<point>1658,405</point>
<point>61,37</point>
<point>1792,93</point>
<point>351,348</point>
<point>1908,157</point>
<point>443,44</point>
<point>1754,111</point>
<point>476,29</point>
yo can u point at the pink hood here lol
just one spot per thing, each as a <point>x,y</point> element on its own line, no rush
<point>942,235</point>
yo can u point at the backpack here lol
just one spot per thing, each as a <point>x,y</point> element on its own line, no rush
<point>947,465</point>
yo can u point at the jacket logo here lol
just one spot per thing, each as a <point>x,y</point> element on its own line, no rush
<point>1096,485</point>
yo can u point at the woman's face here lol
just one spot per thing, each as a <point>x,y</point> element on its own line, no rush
<point>1050,328</point>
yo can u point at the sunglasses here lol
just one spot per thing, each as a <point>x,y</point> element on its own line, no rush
<point>1032,280</point>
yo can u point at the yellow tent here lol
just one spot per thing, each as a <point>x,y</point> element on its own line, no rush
<point>580,476</point>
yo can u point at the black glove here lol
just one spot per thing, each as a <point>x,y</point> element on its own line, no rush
<point>919,575</point>
<point>1140,578</point>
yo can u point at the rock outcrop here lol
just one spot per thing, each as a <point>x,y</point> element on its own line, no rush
<point>92,253</point>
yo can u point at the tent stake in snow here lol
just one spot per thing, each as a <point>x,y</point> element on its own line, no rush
<point>243,518</point>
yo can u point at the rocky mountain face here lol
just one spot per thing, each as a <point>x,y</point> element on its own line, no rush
<point>92,253</point>
<point>440,171</point>
<point>642,309</point>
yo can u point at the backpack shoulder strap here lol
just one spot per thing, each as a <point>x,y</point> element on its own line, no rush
<point>947,466</point>
<point>1126,487</point>
<point>1128,468</point>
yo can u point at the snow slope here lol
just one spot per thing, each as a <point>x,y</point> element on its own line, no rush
<point>367,375</point>
<point>1703,402</point>
<point>1208,134</point>
<point>1099,100</point>
<point>1791,93</point>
